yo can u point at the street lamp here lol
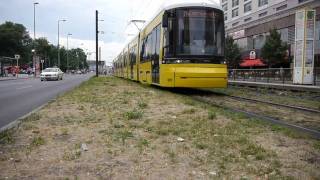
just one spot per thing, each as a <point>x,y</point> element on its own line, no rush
<point>60,20</point>
<point>34,20</point>
<point>69,34</point>
<point>34,35</point>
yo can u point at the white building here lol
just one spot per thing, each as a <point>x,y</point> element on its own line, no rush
<point>249,21</point>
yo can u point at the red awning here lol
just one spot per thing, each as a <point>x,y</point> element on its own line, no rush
<point>252,63</point>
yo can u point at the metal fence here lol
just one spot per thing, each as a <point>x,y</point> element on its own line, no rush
<point>271,75</point>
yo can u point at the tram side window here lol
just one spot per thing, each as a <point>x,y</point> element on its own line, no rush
<point>154,39</point>
<point>157,46</point>
<point>149,47</point>
<point>144,49</point>
<point>134,54</point>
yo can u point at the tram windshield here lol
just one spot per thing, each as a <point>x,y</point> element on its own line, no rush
<point>196,33</point>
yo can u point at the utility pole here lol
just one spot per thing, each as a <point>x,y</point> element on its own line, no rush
<point>63,20</point>
<point>34,38</point>
<point>97,44</point>
<point>69,34</point>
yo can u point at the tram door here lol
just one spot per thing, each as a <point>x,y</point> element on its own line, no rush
<point>155,58</point>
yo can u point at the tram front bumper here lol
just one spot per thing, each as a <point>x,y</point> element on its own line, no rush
<point>201,77</point>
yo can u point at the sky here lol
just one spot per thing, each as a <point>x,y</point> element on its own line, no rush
<point>115,16</point>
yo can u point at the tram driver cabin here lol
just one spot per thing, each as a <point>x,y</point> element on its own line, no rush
<point>182,46</point>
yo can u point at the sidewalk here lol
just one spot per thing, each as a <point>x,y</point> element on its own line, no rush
<point>309,88</point>
<point>20,76</point>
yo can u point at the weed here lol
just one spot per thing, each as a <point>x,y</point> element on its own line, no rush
<point>32,117</point>
<point>142,104</point>
<point>134,114</point>
<point>6,137</point>
<point>37,141</point>
<point>189,102</point>
<point>72,155</point>
<point>163,131</point>
<point>142,143</point>
<point>257,151</point>
<point>28,126</point>
<point>77,146</point>
<point>288,132</point>
<point>124,135</point>
<point>316,145</point>
<point>81,108</point>
<point>118,126</point>
<point>212,115</point>
<point>172,155</point>
<point>200,145</point>
<point>189,111</point>
<point>64,131</point>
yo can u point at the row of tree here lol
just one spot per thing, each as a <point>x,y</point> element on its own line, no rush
<point>15,39</point>
<point>274,52</point>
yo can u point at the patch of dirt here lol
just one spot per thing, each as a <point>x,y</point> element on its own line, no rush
<point>294,154</point>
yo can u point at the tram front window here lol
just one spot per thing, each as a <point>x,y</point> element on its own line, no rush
<point>198,34</point>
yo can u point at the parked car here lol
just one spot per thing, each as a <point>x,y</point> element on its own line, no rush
<point>51,74</point>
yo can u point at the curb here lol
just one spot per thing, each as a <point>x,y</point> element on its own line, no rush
<point>16,79</point>
<point>19,120</point>
<point>8,79</point>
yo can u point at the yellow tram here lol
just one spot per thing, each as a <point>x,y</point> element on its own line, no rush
<point>183,46</point>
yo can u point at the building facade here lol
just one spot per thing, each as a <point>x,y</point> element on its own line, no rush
<point>249,22</point>
<point>92,65</point>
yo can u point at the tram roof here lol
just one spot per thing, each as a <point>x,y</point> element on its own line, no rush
<point>190,3</point>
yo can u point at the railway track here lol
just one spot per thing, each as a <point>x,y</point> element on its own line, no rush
<point>210,97</point>
<point>275,104</point>
<point>273,120</point>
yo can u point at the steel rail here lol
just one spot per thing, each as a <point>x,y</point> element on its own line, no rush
<point>275,104</point>
<point>272,120</point>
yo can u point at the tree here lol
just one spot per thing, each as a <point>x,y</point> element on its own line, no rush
<point>42,47</point>
<point>232,53</point>
<point>14,39</point>
<point>274,50</point>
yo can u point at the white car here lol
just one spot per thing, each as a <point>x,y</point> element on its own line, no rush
<point>51,74</point>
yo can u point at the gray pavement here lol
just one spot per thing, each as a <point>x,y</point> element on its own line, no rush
<point>21,96</point>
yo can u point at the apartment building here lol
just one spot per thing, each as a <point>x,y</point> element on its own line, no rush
<point>249,21</point>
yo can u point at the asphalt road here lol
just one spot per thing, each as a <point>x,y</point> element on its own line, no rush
<point>19,97</point>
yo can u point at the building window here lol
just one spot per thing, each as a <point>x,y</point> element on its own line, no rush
<point>235,3</point>
<point>262,2</point>
<point>247,7</point>
<point>235,13</point>
<point>236,23</point>
<point>281,7</point>
<point>225,16</point>
<point>225,7</point>
<point>247,19</point>
<point>263,14</point>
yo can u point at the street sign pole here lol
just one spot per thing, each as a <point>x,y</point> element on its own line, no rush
<point>17,57</point>
<point>42,61</point>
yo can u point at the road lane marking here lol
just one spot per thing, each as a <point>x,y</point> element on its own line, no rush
<point>24,87</point>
